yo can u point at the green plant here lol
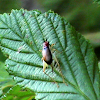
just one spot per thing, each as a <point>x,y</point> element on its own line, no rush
<point>22,34</point>
<point>6,81</point>
<point>17,93</point>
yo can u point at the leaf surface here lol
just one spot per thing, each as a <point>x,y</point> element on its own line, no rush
<point>22,34</point>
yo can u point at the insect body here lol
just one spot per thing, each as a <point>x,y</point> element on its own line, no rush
<point>47,56</point>
<point>47,60</point>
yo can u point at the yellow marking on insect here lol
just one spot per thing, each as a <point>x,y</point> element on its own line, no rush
<point>45,65</point>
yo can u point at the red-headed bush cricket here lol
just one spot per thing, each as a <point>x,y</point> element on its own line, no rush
<point>48,58</point>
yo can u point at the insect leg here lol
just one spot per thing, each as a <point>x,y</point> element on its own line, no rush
<point>55,58</point>
<point>52,67</point>
<point>52,79</point>
<point>40,50</point>
<point>52,45</point>
<point>44,67</point>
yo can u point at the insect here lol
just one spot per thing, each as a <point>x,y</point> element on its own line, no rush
<point>47,59</point>
<point>47,56</point>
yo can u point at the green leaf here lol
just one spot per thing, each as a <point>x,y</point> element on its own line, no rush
<point>5,90</point>
<point>2,58</point>
<point>5,80</point>
<point>16,93</point>
<point>23,33</point>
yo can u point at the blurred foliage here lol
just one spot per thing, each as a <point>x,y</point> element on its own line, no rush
<point>97,1</point>
<point>7,5</point>
<point>94,39</point>
<point>6,81</point>
<point>17,93</point>
<point>81,14</point>
<point>99,66</point>
<point>86,19</point>
<point>2,57</point>
<point>4,90</point>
